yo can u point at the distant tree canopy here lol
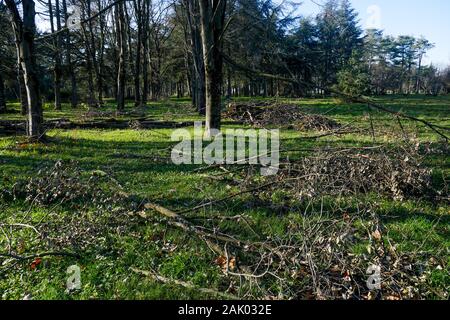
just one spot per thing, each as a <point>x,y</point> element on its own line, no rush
<point>150,49</point>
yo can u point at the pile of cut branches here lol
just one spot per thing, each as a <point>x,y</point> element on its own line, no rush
<point>266,114</point>
<point>314,258</point>
<point>82,207</point>
<point>394,172</point>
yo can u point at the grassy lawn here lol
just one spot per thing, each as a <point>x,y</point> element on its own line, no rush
<point>138,163</point>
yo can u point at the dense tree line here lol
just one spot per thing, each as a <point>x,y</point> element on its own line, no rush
<point>143,50</point>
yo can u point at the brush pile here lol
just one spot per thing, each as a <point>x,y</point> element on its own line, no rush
<point>97,205</point>
<point>397,173</point>
<point>266,114</point>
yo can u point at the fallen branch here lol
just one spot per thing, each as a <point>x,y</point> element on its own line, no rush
<point>180,222</point>
<point>233,195</point>
<point>184,284</point>
<point>40,255</point>
<point>176,220</point>
<point>20,225</point>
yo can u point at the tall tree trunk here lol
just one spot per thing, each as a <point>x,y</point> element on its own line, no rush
<point>121,37</point>
<point>146,53</point>
<point>212,16</point>
<point>89,69</point>
<point>92,49</point>
<point>56,55</point>
<point>137,61</point>
<point>24,31</point>
<point>101,53</point>
<point>21,83</point>
<point>58,68</point>
<point>198,81</point>
<point>229,90</point>
<point>419,74</point>
<point>71,70</point>
<point>129,52</point>
<point>2,95</point>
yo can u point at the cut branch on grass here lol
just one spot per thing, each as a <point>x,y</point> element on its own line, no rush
<point>41,255</point>
<point>180,222</point>
<point>23,225</point>
<point>185,284</point>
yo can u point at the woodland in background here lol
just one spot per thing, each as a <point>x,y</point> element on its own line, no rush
<point>151,49</point>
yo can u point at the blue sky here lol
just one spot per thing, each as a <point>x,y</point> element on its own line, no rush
<point>430,18</point>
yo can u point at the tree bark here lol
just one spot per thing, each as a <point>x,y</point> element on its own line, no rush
<point>101,53</point>
<point>24,31</point>
<point>212,16</point>
<point>137,63</point>
<point>121,37</point>
<point>146,53</point>
<point>71,70</point>
<point>21,83</point>
<point>198,77</point>
<point>56,55</point>
<point>92,49</point>
<point>2,95</point>
<point>91,99</point>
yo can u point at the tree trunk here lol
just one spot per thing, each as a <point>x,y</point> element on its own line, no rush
<point>121,37</point>
<point>101,53</point>
<point>212,16</point>
<point>24,31</point>
<point>91,99</point>
<point>419,71</point>
<point>2,95</point>
<point>73,80</point>
<point>198,81</point>
<point>137,63</point>
<point>57,55</point>
<point>146,21</point>
<point>21,83</point>
<point>92,50</point>
<point>129,49</point>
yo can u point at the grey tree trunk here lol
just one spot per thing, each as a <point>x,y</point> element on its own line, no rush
<point>70,68</point>
<point>2,95</point>
<point>101,54</point>
<point>137,62</point>
<point>89,68</point>
<point>22,89</point>
<point>146,53</point>
<point>24,31</point>
<point>121,39</point>
<point>92,49</point>
<point>212,17</point>
<point>198,77</point>
<point>129,49</point>
<point>57,55</point>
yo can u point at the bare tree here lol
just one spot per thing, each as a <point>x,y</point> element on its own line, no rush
<point>24,31</point>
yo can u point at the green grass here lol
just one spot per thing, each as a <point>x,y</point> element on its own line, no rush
<point>135,158</point>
